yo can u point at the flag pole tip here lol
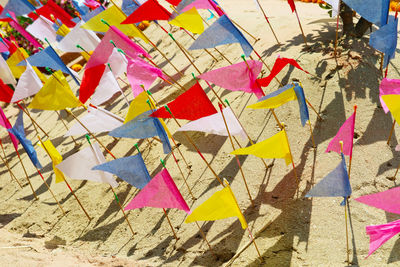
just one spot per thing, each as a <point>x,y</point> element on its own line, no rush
<point>227,102</point>
<point>355,107</point>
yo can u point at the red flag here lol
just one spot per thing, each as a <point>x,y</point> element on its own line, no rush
<point>90,80</point>
<point>51,8</point>
<point>150,10</point>
<point>174,2</point>
<point>191,105</point>
<point>292,5</point>
<point>6,92</point>
<point>279,64</point>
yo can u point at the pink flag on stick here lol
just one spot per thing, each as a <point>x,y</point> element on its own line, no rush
<point>388,87</point>
<point>22,31</point>
<point>388,200</point>
<point>379,234</point>
<point>237,77</point>
<point>6,124</point>
<point>160,192</point>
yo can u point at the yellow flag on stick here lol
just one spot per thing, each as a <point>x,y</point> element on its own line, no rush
<point>274,147</point>
<point>55,95</point>
<point>19,55</point>
<point>55,157</point>
<point>222,204</point>
<point>190,20</point>
<point>393,104</point>
<point>277,98</point>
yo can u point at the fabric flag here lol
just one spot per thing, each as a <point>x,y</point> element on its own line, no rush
<point>55,95</point>
<point>19,132</point>
<point>190,20</point>
<point>19,55</point>
<point>114,17</point>
<point>56,158</point>
<point>51,8</point>
<point>80,6</point>
<point>222,204</point>
<point>118,63</point>
<point>191,105</point>
<point>128,6</point>
<point>28,84</point>
<point>214,124</point>
<point>139,72</point>
<point>6,124</point>
<point>42,28</point>
<point>18,7</point>
<point>79,166</point>
<point>221,32</point>
<point>345,134</point>
<point>160,192</point>
<point>5,72</point>
<point>97,120</point>
<point>387,200</point>
<point>276,98</point>
<point>91,14</point>
<point>62,31</point>
<point>6,92</point>
<point>301,100</point>
<point>274,147</point>
<point>138,106</point>
<point>292,5</point>
<point>375,11</point>
<point>186,5</point>
<point>150,10</point>
<point>108,87</point>
<point>279,64</point>
<point>379,234</point>
<point>245,80</point>
<point>335,184</point>
<point>3,47</point>
<point>388,87</point>
<point>92,4</point>
<point>104,50</point>
<point>393,104</point>
<point>14,23</point>
<point>90,80</point>
<point>335,4</point>
<point>385,40</point>
<point>87,39</point>
<point>130,169</point>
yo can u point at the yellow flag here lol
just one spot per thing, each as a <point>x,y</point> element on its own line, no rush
<point>393,104</point>
<point>113,16</point>
<point>222,204</point>
<point>55,157</point>
<point>63,30</point>
<point>271,148</point>
<point>55,95</point>
<point>276,100</point>
<point>190,20</point>
<point>19,55</point>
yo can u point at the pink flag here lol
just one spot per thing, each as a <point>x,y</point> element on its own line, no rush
<point>3,47</point>
<point>6,124</point>
<point>388,87</point>
<point>22,31</point>
<point>160,192</point>
<point>388,200</point>
<point>105,48</point>
<point>203,4</point>
<point>345,134</point>
<point>237,77</point>
<point>379,234</point>
<point>140,72</point>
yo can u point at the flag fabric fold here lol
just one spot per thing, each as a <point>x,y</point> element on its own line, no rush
<point>387,200</point>
<point>6,124</point>
<point>379,234</point>
<point>345,134</point>
<point>56,158</point>
<point>149,10</point>
<point>107,88</point>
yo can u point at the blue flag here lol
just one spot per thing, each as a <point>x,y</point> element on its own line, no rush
<point>375,11</point>
<point>221,32</point>
<point>128,7</point>
<point>301,100</point>
<point>48,58</point>
<point>385,40</point>
<point>19,132</point>
<point>131,169</point>
<point>335,184</point>
<point>18,7</point>
<point>80,7</point>
<point>143,126</point>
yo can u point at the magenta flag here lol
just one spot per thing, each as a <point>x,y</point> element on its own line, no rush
<point>345,134</point>
<point>6,124</point>
<point>379,234</point>
<point>140,72</point>
<point>160,192</point>
<point>388,200</point>
<point>22,31</point>
<point>3,47</point>
<point>237,77</point>
<point>388,87</point>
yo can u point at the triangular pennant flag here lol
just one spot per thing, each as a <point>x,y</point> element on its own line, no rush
<point>245,80</point>
<point>222,204</point>
<point>19,132</point>
<point>191,105</point>
<point>28,85</point>
<point>51,8</point>
<point>388,87</point>
<point>387,200</point>
<point>79,36</point>
<point>79,166</point>
<point>160,192</point>
<point>345,134</point>
<point>5,72</point>
<point>6,92</point>
<point>42,28</point>
<point>138,106</point>
<point>276,98</point>
<point>56,158</point>
<point>14,23</point>
<point>55,95</point>
<point>18,7</point>
<point>128,6</point>
<point>130,169</point>
<point>6,124</point>
<point>190,20</point>
<point>272,148</point>
<point>186,5</point>
<point>379,234</point>
<point>292,5</point>
<point>113,16</point>
<point>375,11</point>
<point>150,10</point>
<point>335,184</point>
<point>221,32</point>
<point>107,88</point>
<point>97,120</point>
<point>90,80</point>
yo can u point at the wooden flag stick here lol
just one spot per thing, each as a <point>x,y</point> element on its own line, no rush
<point>266,18</point>
<point>351,153</point>
<point>316,112</point>
<point>240,27</point>
<point>312,135</point>
<point>186,51</point>
<point>65,125</point>
<point>170,225</point>
<point>291,157</point>
<point>391,132</point>
<point>301,28</point>
<point>345,215</point>
<point>32,120</point>
<point>26,175</point>
<point>203,235</point>
<point>5,161</point>
<point>337,30</point>
<point>236,156</point>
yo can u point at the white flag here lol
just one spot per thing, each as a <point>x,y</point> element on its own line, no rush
<point>108,86</point>
<point>335,6</point>
<point>5,73</point>
<point>118,63</point>
<point>28,84</point>
<point>79,166</point>
<point>79,36</point>
<point>42,28</point>
<point>97,121</point>
<point>214,124</point>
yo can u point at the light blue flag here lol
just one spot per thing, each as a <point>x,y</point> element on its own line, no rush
<point>385,40</point>
<point>19,7</point>
<point>143,126</point>
<point>19,132</point>
<point>128,7</point>
<point>375,11</point>
<point>131,169</point>
<point>301,100</point>
<point>48,58</point>
<point>221,32</point>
